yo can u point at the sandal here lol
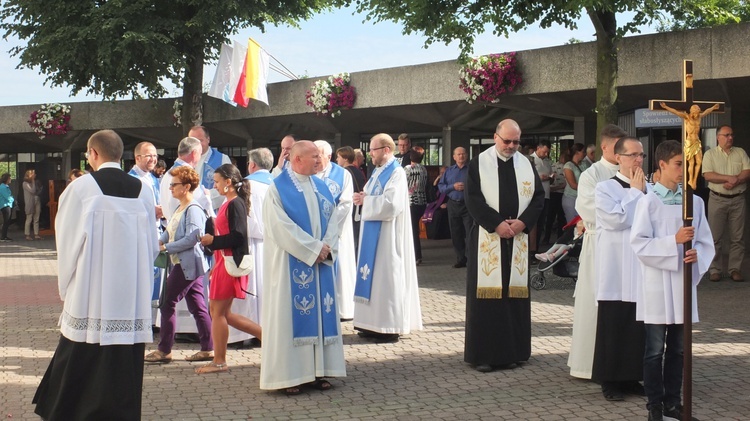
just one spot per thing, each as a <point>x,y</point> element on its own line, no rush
<point>321,384</point>
<point>158,357</point>
<point>292,391</point>
<point>28,238</point>
<point>212,367</point>
<point>37,237</point>
<point>200,356</point>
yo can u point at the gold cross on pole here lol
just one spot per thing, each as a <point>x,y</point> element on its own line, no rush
<point>691,113</point>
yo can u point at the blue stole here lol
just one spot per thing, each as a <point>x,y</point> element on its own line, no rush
<point>304,288</point>
<point>209,166</point>
<point>154,183</point>
<point>335,181</point>
<point>370,236</point>
<point>261,176</point>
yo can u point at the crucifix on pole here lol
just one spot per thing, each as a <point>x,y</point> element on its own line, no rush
<point>691,112</point>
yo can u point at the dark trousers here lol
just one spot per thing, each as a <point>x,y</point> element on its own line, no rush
<point>662,371</point>
<point>6,221</point>
<point>460,223</point>
<point>556,213</point>
<point>416,215</point>
<point>177,288</point>
<point>540,225</point>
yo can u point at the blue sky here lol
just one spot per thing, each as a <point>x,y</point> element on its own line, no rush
<point>332,42</point>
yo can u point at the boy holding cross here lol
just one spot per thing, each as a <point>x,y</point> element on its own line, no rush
<point>658,237</point>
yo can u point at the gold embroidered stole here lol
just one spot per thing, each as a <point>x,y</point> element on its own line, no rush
<point>489,255</point>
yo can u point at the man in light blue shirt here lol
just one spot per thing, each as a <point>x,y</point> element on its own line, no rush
<point>452,184</point>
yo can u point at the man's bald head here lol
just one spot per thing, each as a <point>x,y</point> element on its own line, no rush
<point>107,144</point>
<point>304,157</point>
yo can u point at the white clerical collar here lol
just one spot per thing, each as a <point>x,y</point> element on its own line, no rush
<point>326,171</point>
<point>609,165</point>
<point>110,165</point>
<point>501,156</point>
<point>622,177</point>
<point>139,171</point>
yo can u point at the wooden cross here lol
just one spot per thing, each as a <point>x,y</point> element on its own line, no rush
<point>691,113</point>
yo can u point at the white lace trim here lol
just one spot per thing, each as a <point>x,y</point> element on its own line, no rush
<point>94,330</point>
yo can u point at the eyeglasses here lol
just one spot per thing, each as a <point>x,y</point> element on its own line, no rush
<point>377,149</point>
<point>726,134</point>
<point>171,185</point>
<point>150,156</point>
<point>635,155</point>
<point>508,141</point>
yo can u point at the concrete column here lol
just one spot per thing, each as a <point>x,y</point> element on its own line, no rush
<point>452,139</point>
<point>67,162</point>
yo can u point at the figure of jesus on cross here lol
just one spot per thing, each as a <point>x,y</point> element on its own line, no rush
<point>691,112</point>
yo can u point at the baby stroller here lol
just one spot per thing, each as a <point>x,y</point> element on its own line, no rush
<point>565,254</point>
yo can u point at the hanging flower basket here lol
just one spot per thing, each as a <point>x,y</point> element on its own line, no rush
<point>487,78</point>
<point>330,96</point>
<point>50,119</point>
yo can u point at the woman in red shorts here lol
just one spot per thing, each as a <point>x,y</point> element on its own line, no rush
<point>229,241</point>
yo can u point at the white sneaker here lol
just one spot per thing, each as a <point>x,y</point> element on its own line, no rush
<point>542,257</point>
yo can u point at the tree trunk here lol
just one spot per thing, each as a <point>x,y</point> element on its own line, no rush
<point>605,24</point>
<point>192,90</point>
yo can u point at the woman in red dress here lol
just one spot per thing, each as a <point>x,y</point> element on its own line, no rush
<point>230,242</point>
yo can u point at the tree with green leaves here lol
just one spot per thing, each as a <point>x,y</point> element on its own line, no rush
<point>131,48</point>
<point>455,20</point>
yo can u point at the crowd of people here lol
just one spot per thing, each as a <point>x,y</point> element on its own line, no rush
<point>305,243</point>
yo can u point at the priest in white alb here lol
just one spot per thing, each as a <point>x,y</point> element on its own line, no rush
<point>302,341</point>
<point>581,358</point>
<point>505,197</point>
<point>620,340</point>
<point>339,183</point>
<point>106,246</point>
<point>387,294</point>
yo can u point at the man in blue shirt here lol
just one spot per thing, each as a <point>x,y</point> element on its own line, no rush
<point>452,184</point>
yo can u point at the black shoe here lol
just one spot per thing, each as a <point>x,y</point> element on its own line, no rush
<point>612,392</point>
<point>676,413</point>
<point>632,388</point>
<point>460,265</point>
<point>483,368</point>
<point>656,412</point>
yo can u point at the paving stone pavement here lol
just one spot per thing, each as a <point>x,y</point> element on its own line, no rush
<point>422,376</point>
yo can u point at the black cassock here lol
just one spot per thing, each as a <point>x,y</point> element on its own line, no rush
<point>498,332</point>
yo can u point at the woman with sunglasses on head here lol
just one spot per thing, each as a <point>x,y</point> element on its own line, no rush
<point>228,242</point>
<point>572,170</point>
<point>181,240</point>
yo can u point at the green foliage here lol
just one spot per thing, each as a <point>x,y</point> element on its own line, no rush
<point>120,48</point>
<point>704,14</point>
<point>574,40</point>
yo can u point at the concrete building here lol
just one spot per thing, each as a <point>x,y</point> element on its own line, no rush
<point>556,98</point>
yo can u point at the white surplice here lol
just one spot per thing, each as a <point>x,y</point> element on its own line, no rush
<point>282,363</point>
<point>250,307</point>
<point>620,268</point>
<point>394,301</point>
<point>346,275</point>
<point>106,291</point>
<point>581,358</point>
<point>653,240</point>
